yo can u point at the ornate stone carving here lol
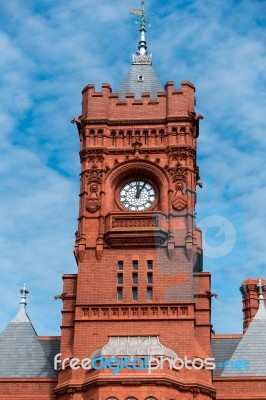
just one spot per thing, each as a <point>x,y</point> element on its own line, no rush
<point>180,199</point>
<point>80,238</point>
<point>134,345</point>
<point>141,58</point>
<point>181,153</point>
<point>178,173</point>
<point>138,222</point>
<point>127,312</point>
<point>94,175</point>
<point>93,201</point>
<point>137,167</point>
<point>154,239</point>
<point>91,155</point>
<point>196,119</point>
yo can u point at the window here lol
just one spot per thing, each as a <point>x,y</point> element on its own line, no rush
<point>140,78</point>
<point>113,138</point>
<point>135,264</point>
<point>120,279</point>
<point>135,279</point>
<point>145,135</point>
<point>149,293</point>
<point>162,136</point>
<point>150,278</point>
<point>129,137</point>
<point>120,265</point>
<point>150,264</point>
<point>119,293</point>
<point>134,293</point>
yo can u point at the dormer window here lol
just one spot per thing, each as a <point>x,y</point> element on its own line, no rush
<point>140,78</point>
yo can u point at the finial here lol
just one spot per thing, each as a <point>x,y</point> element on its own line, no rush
<point>261,313</point>
<point>22,315</point>
<point>260,287</point>
<point>24,291</point>
<point>141,57</point>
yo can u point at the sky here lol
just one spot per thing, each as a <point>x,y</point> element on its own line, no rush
<point>49,51</point>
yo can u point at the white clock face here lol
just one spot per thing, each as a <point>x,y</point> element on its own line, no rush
<point>137,195</point>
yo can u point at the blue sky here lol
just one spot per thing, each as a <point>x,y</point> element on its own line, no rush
<point>49,52</point>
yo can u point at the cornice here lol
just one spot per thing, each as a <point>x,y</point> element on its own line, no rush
<point>153,121</point>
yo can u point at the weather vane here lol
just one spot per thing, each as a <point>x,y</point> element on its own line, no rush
<point>142,14</point>
<point>141,56</point>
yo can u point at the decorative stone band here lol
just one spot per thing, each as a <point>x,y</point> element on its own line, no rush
<point>131,312</point>
<point>139,222</point>
<point>141,59</point>
<point>134,346</point>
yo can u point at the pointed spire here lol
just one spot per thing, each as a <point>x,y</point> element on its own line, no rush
<point>261,313</point>
<point>141,56</point>
<point>22,315</point>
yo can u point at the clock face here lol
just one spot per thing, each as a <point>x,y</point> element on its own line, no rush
<point>137,195</point>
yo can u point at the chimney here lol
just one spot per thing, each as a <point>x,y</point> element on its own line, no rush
<point>250,303</point>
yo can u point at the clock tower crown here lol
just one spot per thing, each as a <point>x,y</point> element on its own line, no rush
<point>140,289</point>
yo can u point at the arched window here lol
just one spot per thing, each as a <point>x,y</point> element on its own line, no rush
<point>100,137</point>
<point>131,398</point>
<point>112,398</point>
<point>161,135</point>
<point>151,398</point>
<point>92,137</point>
<point>137,135</point>
<point>145,135</point>
<point>113,138</point>
<point>129,137</point>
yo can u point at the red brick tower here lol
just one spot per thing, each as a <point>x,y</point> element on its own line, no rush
<point>140,290</point>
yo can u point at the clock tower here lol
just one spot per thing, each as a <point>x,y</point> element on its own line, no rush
<point>140,291</point>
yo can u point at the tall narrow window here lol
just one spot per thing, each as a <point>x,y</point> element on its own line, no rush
<point>120,265</point>
<point>150,278</point>
<point>145,135</point>
<point>129,137</point>
<point>150,264</point>
<point>134,293</point>
<point>113,138</point>
<point>135,279</point>
<point>135,264</point>
<point>119,293</point>
<point>149,293</point>
<point>120,279</point>
<point>162,136</point>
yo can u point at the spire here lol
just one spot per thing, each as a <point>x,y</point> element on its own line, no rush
<point>22,315</point>
<point>141,56</point>
<point>261,313</point>
<point>141,78</point>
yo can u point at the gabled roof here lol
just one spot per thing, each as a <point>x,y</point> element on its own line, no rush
<point>21,353</point>
<point>251,348</point>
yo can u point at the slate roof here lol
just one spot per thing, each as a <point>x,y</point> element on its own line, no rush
<point>252,348</point>
<point>150,82</point>
<point>51,348</point>
<point>222,350</point>
<point>21,353</point>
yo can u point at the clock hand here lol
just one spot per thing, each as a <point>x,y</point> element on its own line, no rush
<point>137,192</point>
<point>142,188</point>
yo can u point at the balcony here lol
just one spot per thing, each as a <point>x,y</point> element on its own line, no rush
<point>136,229</point>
